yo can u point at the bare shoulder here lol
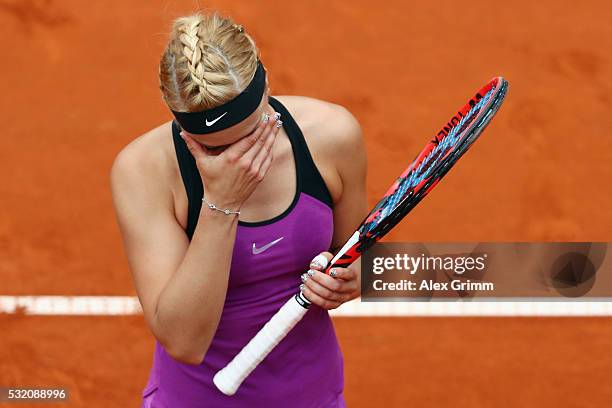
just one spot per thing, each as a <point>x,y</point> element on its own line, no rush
<point>144,162</point>
<point>334,138</point>
<point>323,123</point>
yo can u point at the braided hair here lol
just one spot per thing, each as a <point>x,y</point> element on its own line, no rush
<point>207,62</point>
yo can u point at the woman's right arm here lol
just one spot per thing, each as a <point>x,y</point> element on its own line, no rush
<point>181,287</point>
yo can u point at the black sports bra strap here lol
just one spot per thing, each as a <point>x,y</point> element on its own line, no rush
<point>312,182</point>
<point>191,179</point>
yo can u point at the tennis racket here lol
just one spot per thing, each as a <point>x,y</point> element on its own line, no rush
<point>436,159</point>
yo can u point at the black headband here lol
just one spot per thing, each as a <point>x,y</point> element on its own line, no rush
<point>228,114</point>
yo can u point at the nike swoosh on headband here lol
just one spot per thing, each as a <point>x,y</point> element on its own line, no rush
<point>265,247</point>
<point>212,122</point>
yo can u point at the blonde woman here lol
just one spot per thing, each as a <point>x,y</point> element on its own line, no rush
<point>222,211</point>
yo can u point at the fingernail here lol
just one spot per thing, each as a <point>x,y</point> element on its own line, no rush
<point>277,116</point>
<point>333,273</point>
<point>304,277</point>
<point>310,272</point>
<point>266,118</point>
<point>302,287</point>
<point>279,123</point>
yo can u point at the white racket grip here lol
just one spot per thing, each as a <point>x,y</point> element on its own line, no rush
<point>228,379</point>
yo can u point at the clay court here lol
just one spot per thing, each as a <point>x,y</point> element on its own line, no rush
<point>80,82</point>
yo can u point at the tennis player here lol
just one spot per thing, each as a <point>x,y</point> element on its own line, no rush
<point>222,211</point>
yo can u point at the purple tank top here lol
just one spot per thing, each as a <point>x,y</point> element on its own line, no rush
<point>306,369</point>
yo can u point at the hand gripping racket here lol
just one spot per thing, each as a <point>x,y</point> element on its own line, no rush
<point>436,159</point>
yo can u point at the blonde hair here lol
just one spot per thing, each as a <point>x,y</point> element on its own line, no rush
<point>208,61</point>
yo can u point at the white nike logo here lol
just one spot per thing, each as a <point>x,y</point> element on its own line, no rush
<point>265,247</point>
<point>212,122</point>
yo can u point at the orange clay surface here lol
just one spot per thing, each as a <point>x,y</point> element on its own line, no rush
<point>79,82</point>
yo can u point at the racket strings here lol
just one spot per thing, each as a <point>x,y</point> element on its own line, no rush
<point>425,167</point>
<point>449,141</point>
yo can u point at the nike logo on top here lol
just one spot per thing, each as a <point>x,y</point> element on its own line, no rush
<point>212,122</point>
<point>265,247</point>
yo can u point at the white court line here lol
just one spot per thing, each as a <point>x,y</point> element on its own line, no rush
<point>128,305</point>
<point>71,305</point>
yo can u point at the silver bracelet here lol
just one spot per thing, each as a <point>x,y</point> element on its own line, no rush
<point>215,208</point>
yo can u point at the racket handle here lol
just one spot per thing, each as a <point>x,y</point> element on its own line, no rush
<point>228,379</point>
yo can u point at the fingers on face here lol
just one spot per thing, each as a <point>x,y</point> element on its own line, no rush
<point>265,150</point>
<point>263,169</point>
<point>247,147</point>
<point>196,149</point>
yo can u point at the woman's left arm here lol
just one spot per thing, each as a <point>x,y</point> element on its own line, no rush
<point>345,143</point>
